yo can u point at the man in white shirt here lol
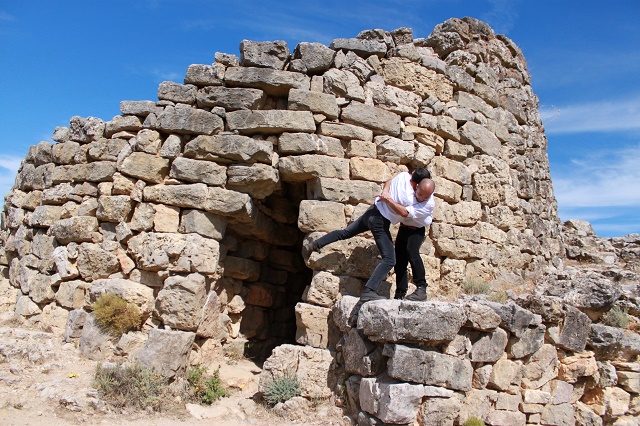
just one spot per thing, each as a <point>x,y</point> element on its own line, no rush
<point>405,197</point>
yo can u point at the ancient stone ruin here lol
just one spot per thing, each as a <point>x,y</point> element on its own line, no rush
<point>195,207</point>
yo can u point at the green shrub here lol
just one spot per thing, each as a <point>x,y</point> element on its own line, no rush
<point>115,315</point>
<point>475,286</point>
<point>132,386</point>
<point>473,421</point>
<point>281,390</point>
<point>616,317</point>
<point>205,389</point>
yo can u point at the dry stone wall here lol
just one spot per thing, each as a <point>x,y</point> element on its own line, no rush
<point>195,206</point>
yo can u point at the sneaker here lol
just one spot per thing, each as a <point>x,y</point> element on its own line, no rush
<point>418,296</point>
<point>368,295</point>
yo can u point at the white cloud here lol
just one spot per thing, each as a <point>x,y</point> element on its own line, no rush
<point>603,116</point>
<point>600,179</point>
<point>4,16</point>
<point>9,166</point>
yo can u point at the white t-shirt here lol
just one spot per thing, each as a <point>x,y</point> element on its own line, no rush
<point>420,214</point>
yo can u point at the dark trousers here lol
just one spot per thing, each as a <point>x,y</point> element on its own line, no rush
<point>408,242</point>
<point>372,220</point>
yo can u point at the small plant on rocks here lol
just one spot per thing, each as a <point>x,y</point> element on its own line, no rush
<point>131,386</point>
<point>204,388</point>
<point>616,317</point>
<point>473,421</point>
<point>115,315</point>
<point>476,286</point>
<point>281,390</point>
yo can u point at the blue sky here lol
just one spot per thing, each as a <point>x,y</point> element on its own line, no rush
<point>64,58</point>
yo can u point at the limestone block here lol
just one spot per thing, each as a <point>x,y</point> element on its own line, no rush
<point>401,102</point>
<point>321,216</point>
<point>145,166</point>
<point>345,131</point>
<point>486,189</point>
<point>323,290</point>
<point>106,149</point>
<point>166,351</point>
<point>72,294</point>
<point>267,54</point>
<point>210,324</point>
<point>257,180</point>
<point>204,75</point>
<point>180,301</point>
<point>316,102</point>
<point>451,170</point>
<point>114,208</point>
<point>227,148</point>
<point>305,167</point>
<point>402,73</point>
<point>313,57</point>
<point>313,368</point>
<point>74,229</point>
<point>481,317</point>
<point>536,397</point>
<point>529,342</point>
<point>64,153</point>
<point>505,373</point>
<point>40,290</point>
<point>562,392</point>
<point>345,312</point>
<point>394,150</point>
<point>540,367</point>
<point>229,203</point>
<point>428,367</point>
<point>175,252</point>
<point>26,308</point>
<point>302,143</point>
<point>94,262</point>
<point>360,355</point>
<point>616,401</point>
<point>178,93</point>
<point>377,119</point>
<point>314,327</point>
<point>489,347</point>
<point>260,295</point>
<point>390,401</point>
<point>501,417</point>
<point>85,130</point>
<point>343,83</point>
<point>345,191</point>
<point>203,223</point>
<point>440,411</point>
<point>190,196</point>
<point>122,123</point>
<point>198,171</point>
<point>273,82</point>
<point>584,415</point>
<point>356,257</point>
<point>361,47</point>
<point>141,108</point>
<point>629,381</point>
<point>270,121</point>
<point>477,403</point>
<point>571,368</point>
<point>508,402</point>
<point>172,147</point>
<point>73,327</point>
<point>185,119</point>
<point>142,219</point>
<point>514,319</point>
<point>123,185</point>
<point>614,343</point>
<point>94,343</point>
<point>231,99</point>
<point>448,190</point>
<point>166,218</point>
<point>45,216</point>
<point>65,268</point>
<point>575,330</point>
<point>242,269</point>
<point>133,292</point>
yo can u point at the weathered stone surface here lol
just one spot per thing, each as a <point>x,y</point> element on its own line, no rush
<point>179,304</point>
<point>346,191</point>
<point>312,58</point>
<point>480,137</point>
<point>85,130</point>
<point>141,108</point>
<point>541,367</point>
<point>428,367</point>
<point>229,203</point>
<point>270,121</point>
<point>198,171</point>
<point>481,317</point>
<point>305,167</point>
<point>571,368</point>
<point>166,351</point>
<point>204,75</point>
<point>74,229</point>
<point>313,368</point>
<point>145,166</point>
<point>203,223</point>
<point>360,355</point>
<point>273,82</point>
<point>345,131</point>
<point>190,196</point>
<point>94,262</point>
<point>257,180</point>
<point>397,321</point>
<point>267,54</point>
<point>505,373</point>
<point>489,347</point>
<point>185,119</point>
<point>614,343</point>
<point>178,93</point>
<point>230,98</point>
<point>114,208</point>
<point>316,102</point>
<point>314,327</point>
<point>45,216</point>
<point>343,83</point>
<point>403,73</point>
<point>529,341</point>
<point>321,216</point>
<point>379,120</point>
<point>345,312</point>
<point>133,292</point>
<point>175,252</point>
<point>227,148</point>
<point>575,330</point>
<point>94,343</point>
<point>390,401</point>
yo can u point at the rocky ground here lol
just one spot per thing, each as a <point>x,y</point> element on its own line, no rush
<point>46,381</point>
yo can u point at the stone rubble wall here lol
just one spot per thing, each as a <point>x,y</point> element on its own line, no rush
<point>194,207</point>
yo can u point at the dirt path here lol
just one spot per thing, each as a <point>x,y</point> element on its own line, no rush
<point>45,381</point>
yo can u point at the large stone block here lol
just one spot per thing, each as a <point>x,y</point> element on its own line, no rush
<point>178,93</point>
<point>180,301</point>
<point>191,196</point>
<point>314,326</point>
<point>321,216</point>
<point>316,102</point>
<point>203,223</point>
<point>204,75</point>
<point>398,321</point>
<point>185,119</point>
<point>481,138</point>
<point>377,119</point>
<point>227,148</point>
<point>74,229</point>
<point>273,82</point>
<point>402,73</point>
<point>308,166</point>
<point>343,191</point>
<point>428,367</point>
<point>133,292</point>
<point>614,343</point>
<point>575,330</point>
<point>312,58</point>
<point>166,351</point>
<point>266,54</point>
<point>345,131</point>
<point>145,166</point>
<point>257,180</point>
<point>198,171</point>
<point>270,121</point>
<point>230,98</point>
<point>390,401</point>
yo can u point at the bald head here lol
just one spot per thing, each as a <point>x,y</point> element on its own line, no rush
<point>424,189</point>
